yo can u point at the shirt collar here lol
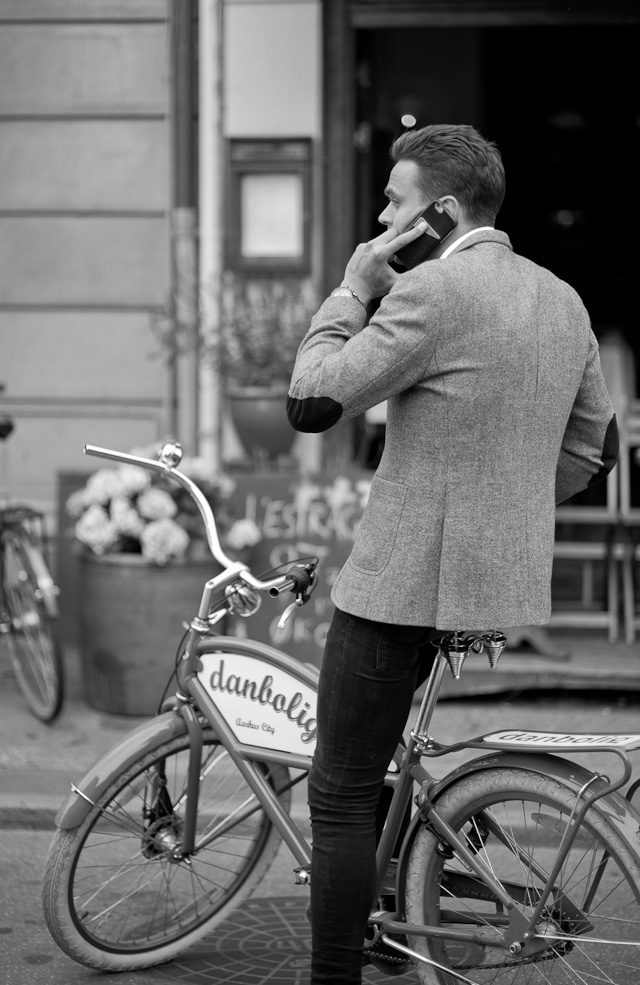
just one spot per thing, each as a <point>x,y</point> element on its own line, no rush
<point>456,244</point>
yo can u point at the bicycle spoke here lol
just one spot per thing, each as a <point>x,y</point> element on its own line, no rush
<point>131,890</point>
<point>588,932</point>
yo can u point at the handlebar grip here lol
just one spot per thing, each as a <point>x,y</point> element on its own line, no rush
<point>300,579</point>
<point>287,586</point>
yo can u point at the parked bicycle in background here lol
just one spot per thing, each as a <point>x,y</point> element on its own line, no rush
<point>29,615</point>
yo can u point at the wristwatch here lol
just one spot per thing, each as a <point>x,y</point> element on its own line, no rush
<point>346,292</point>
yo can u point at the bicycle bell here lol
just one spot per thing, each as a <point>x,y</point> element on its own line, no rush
<point>171,454</point>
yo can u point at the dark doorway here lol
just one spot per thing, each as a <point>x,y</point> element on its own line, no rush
<point>564,106</point>
<point>562,103</point>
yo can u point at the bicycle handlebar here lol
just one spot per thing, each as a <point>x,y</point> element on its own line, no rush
<point>287,586</point>
<point>170,456</point>
<point>300,579</point>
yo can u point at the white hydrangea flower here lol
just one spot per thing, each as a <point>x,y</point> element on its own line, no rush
<point>156,504</point>
<point>76,504</point>
<point>124,508</point>
<point>162,540</point>
<point>243,533</point>
<point>102,486</point>
<point>96,530</point>
<point>125,517</point>
<point>133,479</point>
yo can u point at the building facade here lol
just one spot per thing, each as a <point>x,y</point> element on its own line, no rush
<point>146,145</point>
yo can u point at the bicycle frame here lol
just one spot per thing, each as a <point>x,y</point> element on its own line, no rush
<point>204,688</point>
<point>520,926</point>
<point>285,691</point>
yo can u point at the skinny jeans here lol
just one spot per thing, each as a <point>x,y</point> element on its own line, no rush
<point>368,677</point>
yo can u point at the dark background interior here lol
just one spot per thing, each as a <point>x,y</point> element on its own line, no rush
<point>563,105</point>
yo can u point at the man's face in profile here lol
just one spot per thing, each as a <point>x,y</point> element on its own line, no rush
<point>406,198</point>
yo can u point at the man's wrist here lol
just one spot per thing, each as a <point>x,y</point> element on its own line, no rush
<point>344,291</point>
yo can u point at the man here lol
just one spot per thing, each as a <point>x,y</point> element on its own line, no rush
<point>497,410</point>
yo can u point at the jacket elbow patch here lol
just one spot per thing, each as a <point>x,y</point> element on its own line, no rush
<point>313,414</point>
<point>610,452</point>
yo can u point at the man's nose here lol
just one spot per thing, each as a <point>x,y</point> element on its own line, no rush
<point>383,218</point>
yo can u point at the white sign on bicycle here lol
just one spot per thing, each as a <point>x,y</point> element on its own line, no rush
<point>578,740</point>
<point>263,705</point>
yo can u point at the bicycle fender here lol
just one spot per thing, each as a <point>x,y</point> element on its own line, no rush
<point>115,760</point>
<point>613,807</point>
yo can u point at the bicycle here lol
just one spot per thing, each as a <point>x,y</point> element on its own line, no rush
<point>29,613</point>
<point>517,866</point>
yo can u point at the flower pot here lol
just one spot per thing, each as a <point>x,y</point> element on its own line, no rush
<point>260,419</point>
<point>131,622</point>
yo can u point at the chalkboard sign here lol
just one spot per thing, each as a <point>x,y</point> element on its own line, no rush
<point>297,518</point>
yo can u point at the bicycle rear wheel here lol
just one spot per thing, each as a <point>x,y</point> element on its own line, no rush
<point>117,897</point>
<point>514,820</point>
<point>33,639</point>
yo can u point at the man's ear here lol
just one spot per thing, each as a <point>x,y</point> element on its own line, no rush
<point>453,206</point>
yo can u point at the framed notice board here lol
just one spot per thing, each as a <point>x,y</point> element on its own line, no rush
<point>269,205</point>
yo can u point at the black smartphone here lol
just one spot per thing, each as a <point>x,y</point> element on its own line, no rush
<point>439,224</point>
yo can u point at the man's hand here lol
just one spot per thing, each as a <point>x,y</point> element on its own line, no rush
<point>368,273</point>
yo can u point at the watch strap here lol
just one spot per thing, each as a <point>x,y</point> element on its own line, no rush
<point>346,292</point>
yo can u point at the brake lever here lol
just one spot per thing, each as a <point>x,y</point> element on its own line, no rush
<point>303,596</point>
<point>289,610</point>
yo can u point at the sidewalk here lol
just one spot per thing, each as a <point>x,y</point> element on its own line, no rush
<point>39,762</point>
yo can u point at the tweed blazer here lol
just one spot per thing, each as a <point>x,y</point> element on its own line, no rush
<point>497,410</point>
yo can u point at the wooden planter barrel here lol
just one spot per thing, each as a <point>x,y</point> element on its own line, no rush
<point>131,622</point>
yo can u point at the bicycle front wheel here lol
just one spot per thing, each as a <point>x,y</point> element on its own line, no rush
<point>117,895</point>
<point>514,820</point>
<point>34,644</point>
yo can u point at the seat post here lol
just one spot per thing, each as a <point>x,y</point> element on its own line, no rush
<point>430,697</point>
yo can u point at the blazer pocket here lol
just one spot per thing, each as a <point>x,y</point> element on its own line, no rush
<point>379,527</point>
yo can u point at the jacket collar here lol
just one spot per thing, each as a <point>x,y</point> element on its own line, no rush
<point>482,236</point>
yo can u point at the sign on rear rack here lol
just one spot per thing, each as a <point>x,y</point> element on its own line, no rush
<point>558,740</point>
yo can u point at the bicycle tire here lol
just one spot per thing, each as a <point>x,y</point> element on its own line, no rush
<point>113,897</point>
<point>33,637</point>
<point>500,808</point>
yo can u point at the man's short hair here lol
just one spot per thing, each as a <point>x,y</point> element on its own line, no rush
<point>454,159</point>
